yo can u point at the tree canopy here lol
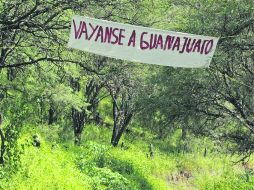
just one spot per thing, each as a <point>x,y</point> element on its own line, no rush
<point>42,82</point>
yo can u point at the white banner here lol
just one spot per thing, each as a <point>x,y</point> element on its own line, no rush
<point>141,44</point>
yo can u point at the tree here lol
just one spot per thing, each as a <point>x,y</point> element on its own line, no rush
<point>217,101</point>
<point>78,116</point>
<point>227,94</point>
<point>122,111</point>
<point>123,86</point>
<point>168,101</point>
<point>221,96</point>
<point>2,148</point>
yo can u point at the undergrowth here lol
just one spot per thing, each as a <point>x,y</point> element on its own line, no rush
<point>96,165</point>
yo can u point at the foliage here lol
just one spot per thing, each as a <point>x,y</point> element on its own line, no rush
<point>193,119</point>
<point>96,165</point>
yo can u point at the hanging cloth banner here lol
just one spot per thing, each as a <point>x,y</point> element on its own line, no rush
<point>141,44</point>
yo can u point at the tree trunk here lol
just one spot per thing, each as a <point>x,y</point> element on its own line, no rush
<point>92,92</point>
<point>118,136</point>
<point>122,113</point>
<point>184,132</point>
<point>51,118</point>
<point>2,150</point>
<point>115,118</point>
<point>78,119</point>
<point>120,128</point>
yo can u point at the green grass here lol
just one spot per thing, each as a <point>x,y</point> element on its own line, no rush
<point>57,164</point>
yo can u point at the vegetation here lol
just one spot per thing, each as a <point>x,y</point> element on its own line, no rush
<point>75,120</point>
<point>58,164</point>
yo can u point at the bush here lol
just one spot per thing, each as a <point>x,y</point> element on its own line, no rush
<point>104,178</point>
